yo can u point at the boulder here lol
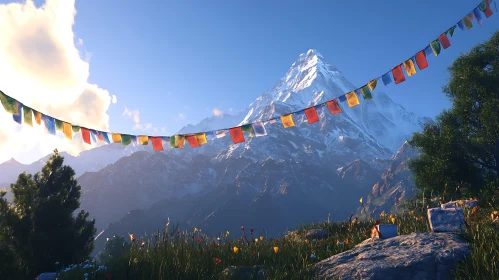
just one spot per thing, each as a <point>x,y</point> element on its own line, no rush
<point>245,272</point>
<point>457,204</point>
<point>446,220</point>
<point>414,256</point>
<point>316,234</point>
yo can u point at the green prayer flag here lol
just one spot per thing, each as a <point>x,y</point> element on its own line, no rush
<point>467,22</point>
<point>9,104</point>
<point>483,6</point>
<point>126,139</point>
<point>249,129</point>
<point>435,47</point>
<point>58,125</point>
<point>366,93</point>
<point>76,128</point>
<point>28,115</point>
<point>451,30</point>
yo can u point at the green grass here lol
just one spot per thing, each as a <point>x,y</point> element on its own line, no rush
<point>187,255</point>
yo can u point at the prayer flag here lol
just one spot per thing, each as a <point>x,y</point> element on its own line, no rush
<point>201,137</point>
<point>366,93</point>
<point>428,51</point>
<point>9,104</point>
<point>259,129</point>
<point>450,31</point>
<point>444,40</point>
<point>386,78</point>
<point>311,114</point>
<point>191,139</point>
<point>49,124</point>
<point>134,139</point>
<point>461,25</point>
<point>18,118</point>
<point>116,137</point>
<point>58,125</point>
<point>85,134</point>
<point>287,120</point>
<point>485,8</point>
<point>143,140</point>
<point>220,133</point>
<point>126,139</point>
<point>435,47</point>
<point>372,84</point>
<point>249,129</point>
<point>38,117</point>
<point>28,116</point>
<point>398,75</point>
<point>334,107</point>
<point>352,99</point>
<point>210,135</point>
<point>272,121</point>
<point>75,128</point>
<point>97,134</point>
<point>177,141</point>
<point>342,98</point>
<point>157,143</point>
<point>236,133</point>
<point>421,60</point>
<point>477,15</point>
<point>410,69</point>
<point>106,137</point>
<point>67,129</point>
<point>467,22</point>
<point>92,134</point>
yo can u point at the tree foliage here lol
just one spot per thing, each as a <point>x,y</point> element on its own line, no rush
<point>40,225</point>
<point>460,151</point>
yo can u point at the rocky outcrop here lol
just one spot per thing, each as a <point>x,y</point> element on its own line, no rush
<point>413,256</point>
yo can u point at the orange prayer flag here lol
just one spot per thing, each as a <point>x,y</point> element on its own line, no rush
<point>68,130</point>
<point>398,75</point>
<point>372,84</point>
<point>157,143</point>
<point>444,40</point>
<point>191,139</point>
<point>334,107</point>
<point>410,69</point>
<point>236,133</point>
<point>287,121</point>
<point>85,134</point>
<point>116,137</point>
<point>421,60</point>
<point>38,117</point>
<point>352,99</point>
<point>311,114</point>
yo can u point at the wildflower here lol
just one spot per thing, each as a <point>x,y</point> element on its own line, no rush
<point>261,238</point>
<point>382,214</point>
<point>346,241</point>
<point>217,260</point>
<point>196,230</point>
<point>226,233</point>
<point>393,220</point>
<point>251,231</point>
<point>235,249</point>
<point>412,212</point>
<point>313,256</point>
<point>199,240</point>
<point>461,202</point>
<point>494,215</point>
<point>217,244</point>
<point>276,249</point>
<point>307,241</point>
<point>392,216</point>
<point>142,244</point>
<point>242,228</point>
<point>132,237</point>
<point>256,240</point>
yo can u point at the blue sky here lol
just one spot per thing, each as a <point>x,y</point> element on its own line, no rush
<point>172,58</point>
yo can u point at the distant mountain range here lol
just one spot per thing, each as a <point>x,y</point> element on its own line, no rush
<point>292,176</point>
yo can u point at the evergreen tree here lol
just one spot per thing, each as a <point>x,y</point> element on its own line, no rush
<point>460,151</point>
<point>41,223</point>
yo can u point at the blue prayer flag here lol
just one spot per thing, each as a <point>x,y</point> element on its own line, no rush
<point>461,25</point>
<point>49,124</point>
<point>386,78</point>
<point>18,118</point>
<point>342,98</point>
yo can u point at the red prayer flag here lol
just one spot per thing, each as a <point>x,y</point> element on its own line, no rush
<point>333,106</point>
<point>421,60</point>
<point>85,134</point>
<point>236,134</point>
<point>488,11</point>
<point>398,75</point>
<point>157,143</point>
<point>311,114</point>
<point>192,141</point>
<point>444,40</point>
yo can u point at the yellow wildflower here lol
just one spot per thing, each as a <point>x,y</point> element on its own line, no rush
<point>256,240</point>
<point>235,249</point>
<point>226,234</point>
<point>307,241</point>
<point>393,220</point>
<point>392,216</point>
<point>261,238</point>
<point>412,212</point>
<point>195,230</point>
<point>276,249</point>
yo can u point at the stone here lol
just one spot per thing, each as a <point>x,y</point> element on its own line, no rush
<point>316,234</point>
<point>245,272</point>
<point>446,220</point>
<point>456,204</point>
<point>47,276</point>
<point>415,256</point>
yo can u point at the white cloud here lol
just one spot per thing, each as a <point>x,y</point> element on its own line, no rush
<point>41,67</point>
<point>134,114</point>
<point>230,109</point>
<point>217,112</point>
<point>114,99</point>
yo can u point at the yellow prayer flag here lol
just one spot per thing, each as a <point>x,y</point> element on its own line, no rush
<point>287,121</point>
<point>143,140</point>
<point>38,117</point>
<point>372,84</point>
<point>410,69</point>
<point>352,99</point>
<point>116,137</point>
<point>201,137</point>
<point>67,129</point>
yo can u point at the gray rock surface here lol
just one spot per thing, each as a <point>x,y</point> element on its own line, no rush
<point>456,204</point>
<point>414,256</point>
<point>245,272</point>
<point>446,220</point>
